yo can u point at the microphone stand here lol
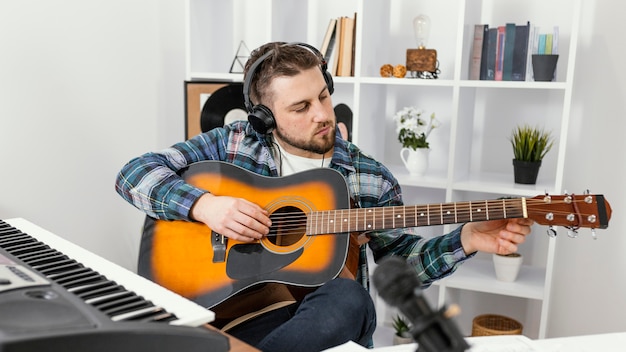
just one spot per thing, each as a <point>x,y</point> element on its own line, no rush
<point>436,332</point>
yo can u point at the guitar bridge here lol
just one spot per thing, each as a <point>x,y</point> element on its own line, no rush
<point>219,243</point>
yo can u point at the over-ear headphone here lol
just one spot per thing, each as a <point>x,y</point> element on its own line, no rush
<point>259,115</point>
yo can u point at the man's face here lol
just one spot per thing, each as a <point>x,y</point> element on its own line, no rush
<point>305,119</point>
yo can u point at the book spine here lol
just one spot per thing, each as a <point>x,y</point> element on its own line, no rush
<point>548,50</point>
<point>509,47</point>
<point>491,54</point>
<point>555,40</point>
<point>532,49</point>
<point>500,52</point>
<point>520,53</point>
<point>484,55</point>
<point>541,44</point>
<point>477,52</point>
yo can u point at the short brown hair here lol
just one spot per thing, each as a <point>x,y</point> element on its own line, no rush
<point>285,60</point>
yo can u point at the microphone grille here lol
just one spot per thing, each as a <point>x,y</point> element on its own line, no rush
<point>395,280</point>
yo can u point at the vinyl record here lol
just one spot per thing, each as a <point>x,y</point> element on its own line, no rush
<point>223,106</point>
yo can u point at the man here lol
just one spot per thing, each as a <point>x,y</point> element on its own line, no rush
<point>291,129</point>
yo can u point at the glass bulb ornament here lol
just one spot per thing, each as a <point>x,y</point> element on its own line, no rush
<point>421,26</point>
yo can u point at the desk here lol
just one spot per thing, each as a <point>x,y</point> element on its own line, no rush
<point>612,342</point>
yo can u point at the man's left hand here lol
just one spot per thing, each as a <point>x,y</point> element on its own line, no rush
<point>495,236</point>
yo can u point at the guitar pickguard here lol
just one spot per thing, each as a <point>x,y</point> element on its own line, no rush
<point>243,257</point>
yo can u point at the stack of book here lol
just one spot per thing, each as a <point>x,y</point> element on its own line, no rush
<point>503,53</point>
<point>338,45</point>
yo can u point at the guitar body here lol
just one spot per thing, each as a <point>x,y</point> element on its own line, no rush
<point>186,258</point>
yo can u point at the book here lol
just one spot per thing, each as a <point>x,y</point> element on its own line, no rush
<point>329,39</point>
<point>520,52</point>
<point>345,46</point>
<point>555,40</point>
<point>500,52</point>
<point>333,63</point>
<point>477,51</point>
<point>541,44</point>
<point>532,49</point>
<point>353,54</point>
<point>548,50</point>
<point>491,54</point>
<point>509,46</point>
<point>483,58</point>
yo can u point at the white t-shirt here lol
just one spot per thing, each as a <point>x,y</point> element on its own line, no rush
<point>291,164</point>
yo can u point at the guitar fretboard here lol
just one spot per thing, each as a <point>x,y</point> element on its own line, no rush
<point>369,219</point>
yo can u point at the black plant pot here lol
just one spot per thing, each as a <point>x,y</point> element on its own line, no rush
<point>526,172</point>
<point>544,67</point>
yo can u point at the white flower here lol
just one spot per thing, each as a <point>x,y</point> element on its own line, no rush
<point>412,128</point>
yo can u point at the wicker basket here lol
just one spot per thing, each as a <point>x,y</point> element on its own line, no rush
<point>491,324</point>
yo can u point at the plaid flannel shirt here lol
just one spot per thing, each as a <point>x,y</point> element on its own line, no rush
<point>151,183</point>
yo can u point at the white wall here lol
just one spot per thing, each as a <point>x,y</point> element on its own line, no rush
<point>589,287</point>
<point>86,85</point>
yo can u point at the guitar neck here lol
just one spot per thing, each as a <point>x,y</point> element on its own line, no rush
<point>384,218</point>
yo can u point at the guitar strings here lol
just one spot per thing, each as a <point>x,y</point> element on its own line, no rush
<point>295,223</point>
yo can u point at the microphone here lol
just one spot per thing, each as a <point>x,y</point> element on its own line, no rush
<point>398,285</point>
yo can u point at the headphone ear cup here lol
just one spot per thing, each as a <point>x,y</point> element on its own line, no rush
<point>329,81</point>
<point>262,119</point>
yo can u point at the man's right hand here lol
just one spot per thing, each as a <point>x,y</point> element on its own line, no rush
<point>234,218</point>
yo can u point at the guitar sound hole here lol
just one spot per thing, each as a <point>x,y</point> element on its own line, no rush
<point>288,226</point>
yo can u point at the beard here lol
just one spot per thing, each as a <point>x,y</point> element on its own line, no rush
<point>320,146</point>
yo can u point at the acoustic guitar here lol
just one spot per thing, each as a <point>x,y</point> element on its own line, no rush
<point>311,226</point>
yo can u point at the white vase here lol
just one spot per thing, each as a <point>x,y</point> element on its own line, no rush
<point>507,266</point>
<point>416,161</point>
<point>401,340</point>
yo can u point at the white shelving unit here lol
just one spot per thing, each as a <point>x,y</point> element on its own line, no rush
<point>471,155</point>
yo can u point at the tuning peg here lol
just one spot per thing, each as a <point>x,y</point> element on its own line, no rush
<point>593,234</point>
<point>551,232</point>
<point>572,233</point>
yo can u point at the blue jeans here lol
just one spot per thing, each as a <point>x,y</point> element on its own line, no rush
<point>339,311</point>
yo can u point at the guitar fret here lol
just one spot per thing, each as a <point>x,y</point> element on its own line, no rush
<point>441,213</point>
<point>448,213</point>
<point>369,225</point>
<point>486,210</point>
<point>403,217</point>
<point>423,216</point>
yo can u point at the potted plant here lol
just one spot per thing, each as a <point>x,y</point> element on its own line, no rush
<point>413,130</point>
<point>402,331</point>
<point>530,145</point>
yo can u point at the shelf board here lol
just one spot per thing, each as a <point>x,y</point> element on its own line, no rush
<point>479,275</point>
<point>501,184</point>
<point>406,81</point>
<point>432,178</point>
<point>216,76</point>
<point>513,84</point>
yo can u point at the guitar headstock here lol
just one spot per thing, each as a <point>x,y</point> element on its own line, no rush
<point>570,210</point>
